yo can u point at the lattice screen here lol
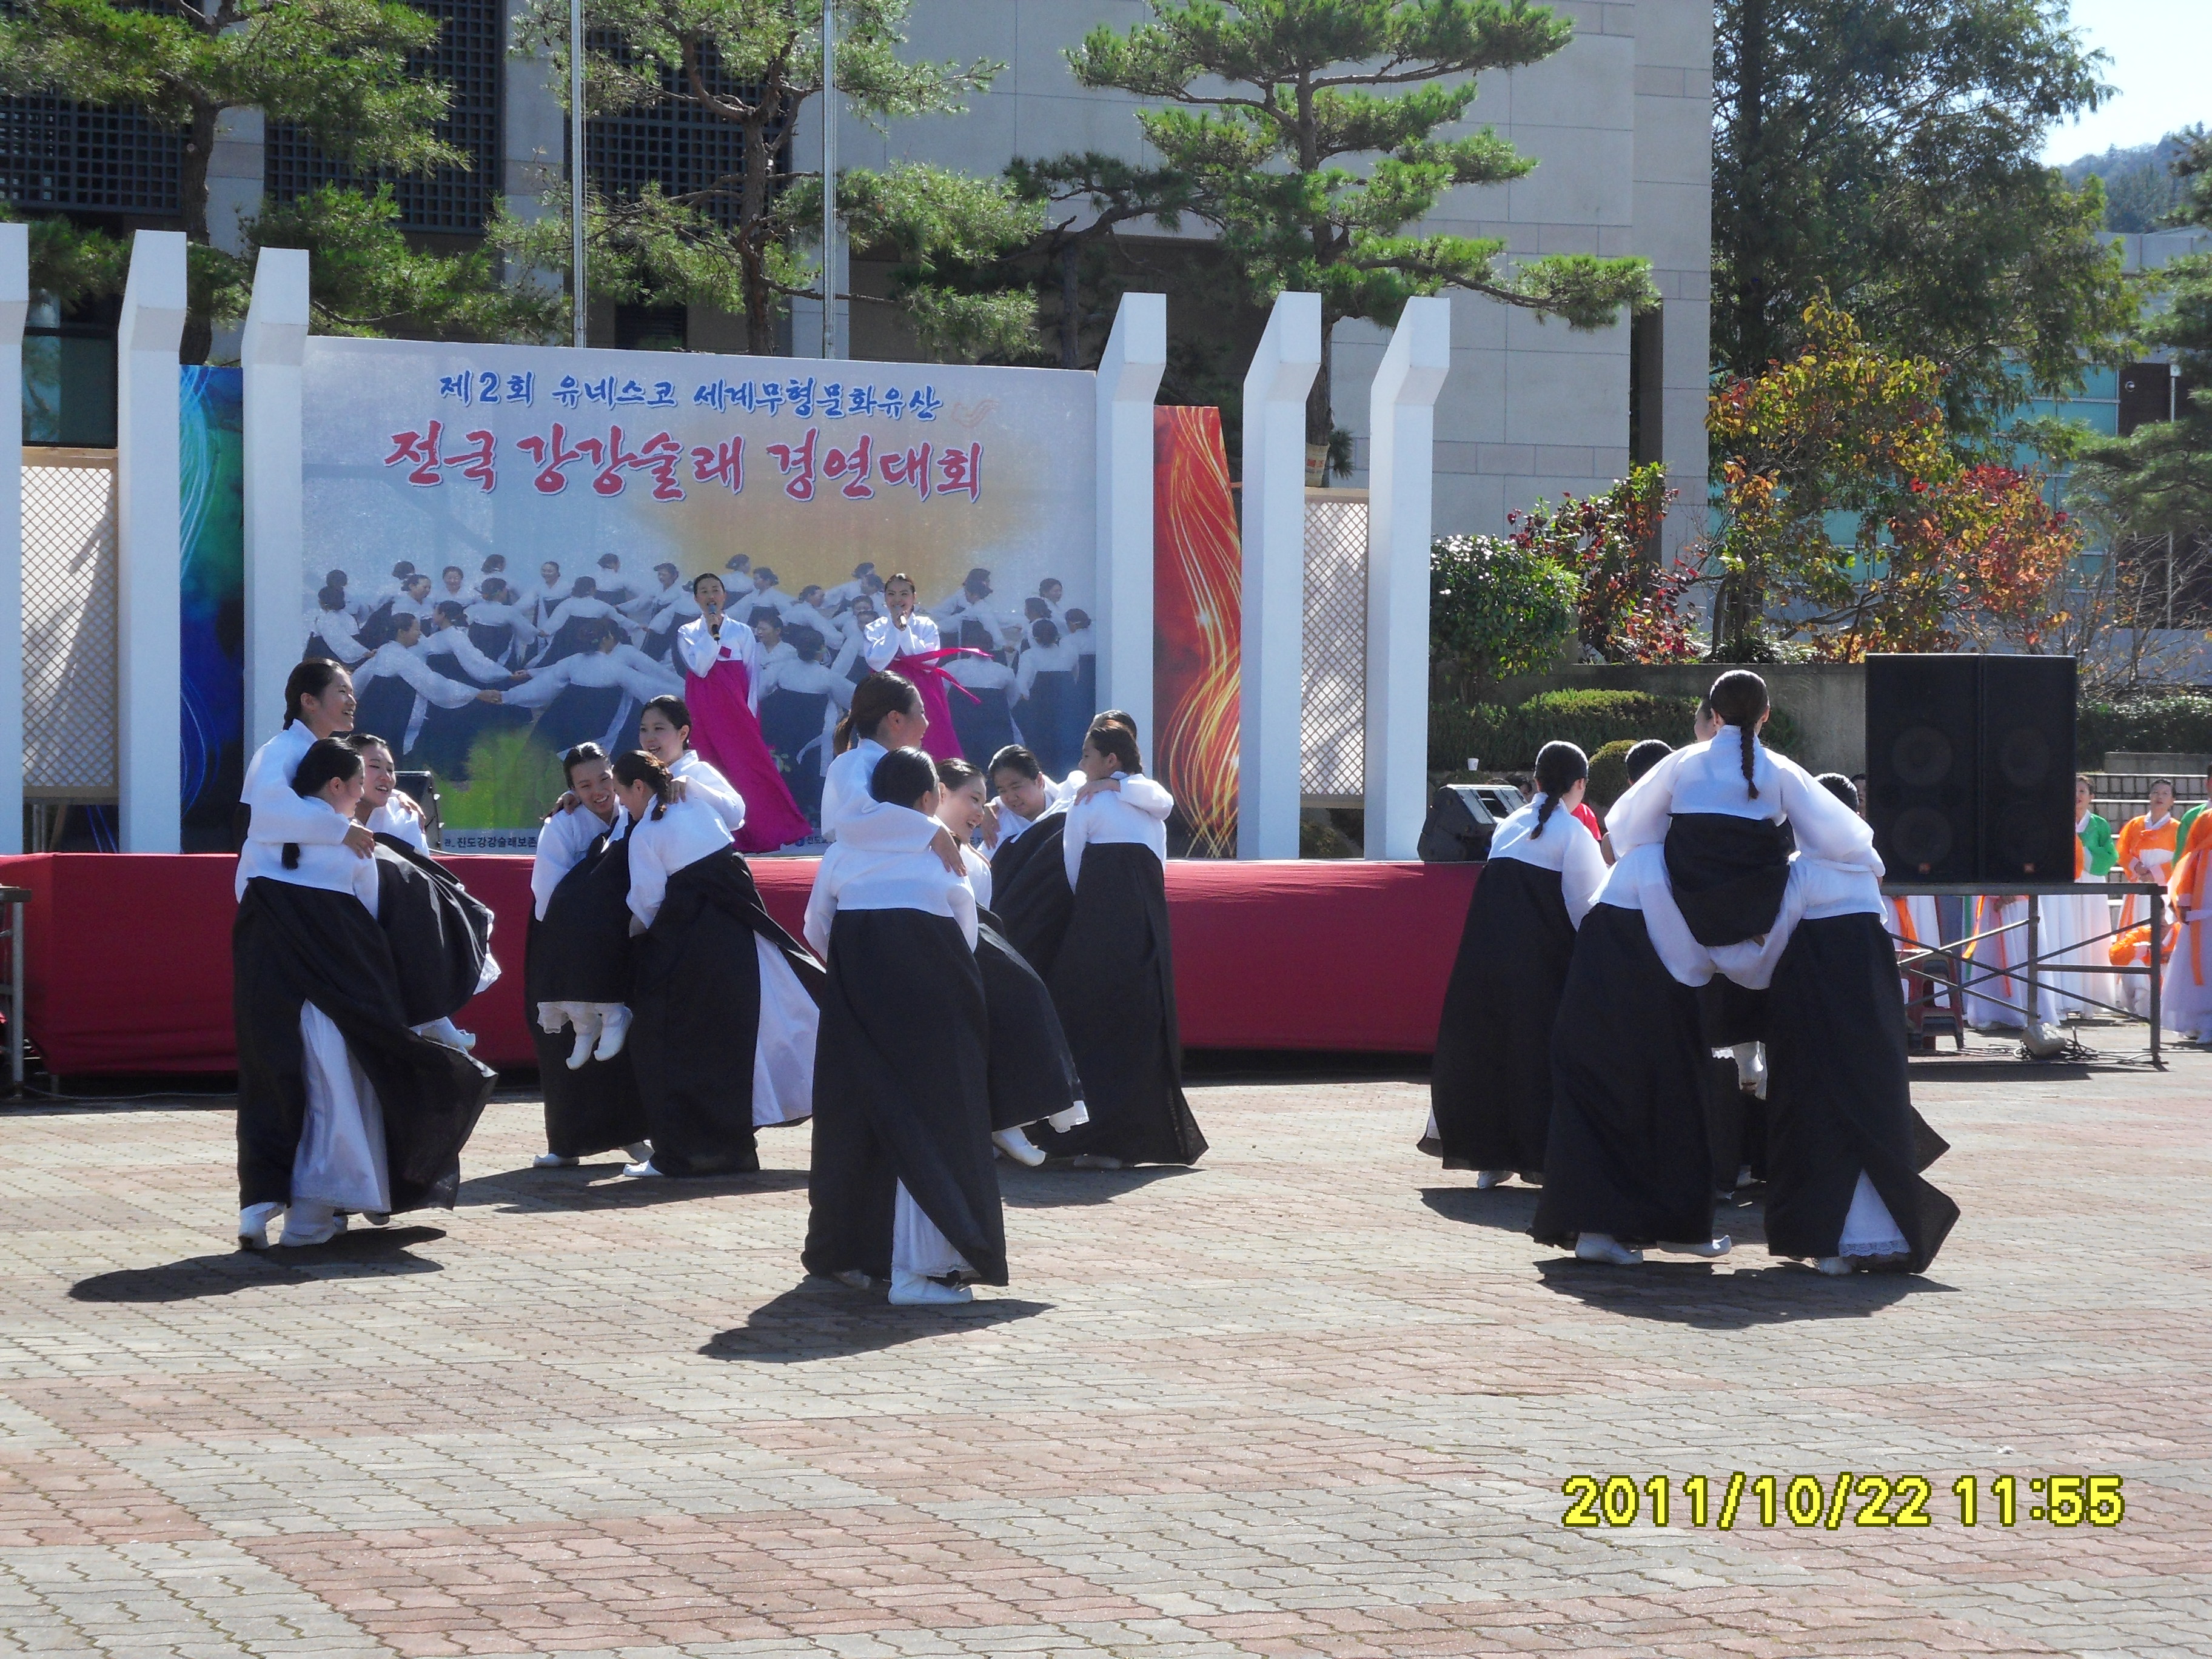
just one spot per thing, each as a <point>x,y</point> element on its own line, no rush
<point>676,145</point>
<point>69,626</point>
<point>56,154</point>
<point>1333,732</point>
<point>471,47</point>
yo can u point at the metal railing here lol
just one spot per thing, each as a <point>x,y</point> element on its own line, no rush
<point>1965,972</point>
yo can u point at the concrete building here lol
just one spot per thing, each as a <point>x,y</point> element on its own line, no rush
<point>1620,124</point>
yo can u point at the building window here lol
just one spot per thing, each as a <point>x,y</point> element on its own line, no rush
<point>467,58</point>
<point>677,144</point>
<point>650,328</point>
<point>76,158</point>
<point>68,373</point>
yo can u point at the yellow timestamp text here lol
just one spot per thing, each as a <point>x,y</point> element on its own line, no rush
<point>1846,1499</point>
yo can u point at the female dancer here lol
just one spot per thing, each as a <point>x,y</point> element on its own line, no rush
<point>1033,1075</point>
<point>1704,864</point>
<point>318,702</point>
<point>341,1106</point>
<point>721,682</point>
<point>1845,1147</point>
<point>901,1185</point>
<point>1113,979</point>
<point>2185,995</point>
<point>719,988</point>
<point>908,640</point>
<point>664,731</point>
<point>2147,849</point>
<point>1491,1089</point>
<point>886,715</point>
<point>577,972</point>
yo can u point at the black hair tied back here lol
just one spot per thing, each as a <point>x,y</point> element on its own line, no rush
<point>1559,767</point>
<point>1739,697</point>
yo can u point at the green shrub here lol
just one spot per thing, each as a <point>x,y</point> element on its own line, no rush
<point>1507,739</point>
<point>2178,723</point>
<point>1608,775</point>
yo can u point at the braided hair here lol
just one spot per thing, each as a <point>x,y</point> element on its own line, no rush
<point>1559,767</point>
<point>1739,698</point>
<point>638,767</point>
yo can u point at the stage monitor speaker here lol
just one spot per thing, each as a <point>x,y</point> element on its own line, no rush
<point>2027,768</point>
<point>424,787</point>
<point>1922,743</point>
<point>1459,826</point>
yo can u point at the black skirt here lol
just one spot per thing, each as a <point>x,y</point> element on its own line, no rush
<point>1628,1153</point>
<point>1727,874</point>
<point>695,1003</point>
<point>1838,1095</point>
<point>1490,1086</point>
<point>1033,1073</point>
<point>293,945</point>
<point>1046,714</point>
<point>901,1093</point>
<point>981,720</point>
<point>1114,984</point>
<point>440,933</point>
<point>580,953</point>
<point>1031,894</point>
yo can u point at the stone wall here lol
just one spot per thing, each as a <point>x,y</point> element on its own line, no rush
<point>1826,700</point>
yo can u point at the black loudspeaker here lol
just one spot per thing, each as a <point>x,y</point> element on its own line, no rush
<point>2027,768</point>
<point>424,787</point>
<point>1922,743</point>
<point>1459,826</point>
<point>1970,767</point>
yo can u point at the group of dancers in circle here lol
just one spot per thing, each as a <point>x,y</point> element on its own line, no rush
<point>1612,1002</point>
<point>987,971</point>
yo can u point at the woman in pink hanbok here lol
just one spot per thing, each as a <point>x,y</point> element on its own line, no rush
<point>722,686</point>
<point>907,639</point>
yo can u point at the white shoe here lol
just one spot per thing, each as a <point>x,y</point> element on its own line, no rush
<point>1603,1247</point>
<point>1708,1249</point>
<point>445,1031</point>
<point>377,1218</point>
<point>640,1151</point>
<point>554,1161</point>
<point>1485,1179</point>
<point>1017,1146</point>
<point>1744,1176</point>
<point>581,1053</point>
<point>1750,1068</point>
<point>1834,1266</point>
<point>253,1225</point>
<point>913,1291</point>
<point>1067,1119</point>
<point>614,1031</point>
<point>311,1223</point>
<point>644,1171</point>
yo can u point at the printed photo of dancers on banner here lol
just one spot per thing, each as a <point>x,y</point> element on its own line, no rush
<point>513,561</point>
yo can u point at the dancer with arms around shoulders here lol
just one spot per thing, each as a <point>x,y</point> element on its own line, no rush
<point>901,1185</point>
<point>1490,1087</point>
<point>723,1001</point>
<point>1033,1073</point>
<point>1113,975</point>
<point>342,1108</point>
<point>577,972</point>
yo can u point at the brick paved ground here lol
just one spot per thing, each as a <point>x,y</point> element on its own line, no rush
<point>1312,1398</point>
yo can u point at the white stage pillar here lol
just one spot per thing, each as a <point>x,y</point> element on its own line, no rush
<point>14,307</point>
<point>1401,479</point>
<point>1128,377</point>
<point>148,636</point>
<point>1270,691</point>
<point>275,340</point>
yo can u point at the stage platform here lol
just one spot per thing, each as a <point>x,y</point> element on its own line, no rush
<point>130,954</point>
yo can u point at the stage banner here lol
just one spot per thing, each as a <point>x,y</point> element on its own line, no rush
<point>1197,622</point>
<point>213,603</point>
<point>502,539</point>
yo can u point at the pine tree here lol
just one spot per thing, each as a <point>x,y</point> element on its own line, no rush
<point>1308,132</point>
<point>734,242</point>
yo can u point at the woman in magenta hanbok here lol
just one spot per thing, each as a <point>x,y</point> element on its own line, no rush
<point>907,639</point>
<point>721,685</point>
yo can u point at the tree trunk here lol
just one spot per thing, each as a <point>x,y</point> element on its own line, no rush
<point>1071,319</point>
<point>192,200</point>
<point>1318,424</point>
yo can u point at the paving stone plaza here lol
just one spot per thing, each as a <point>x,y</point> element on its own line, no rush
<point>1313,1397</point>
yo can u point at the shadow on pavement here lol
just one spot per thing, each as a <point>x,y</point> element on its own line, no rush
<point>601,1187</point>
<point>1508,1209</point>
<point>821,1319</point>
<point>1679,1292</point>
<point>363,1252</point>
<point>1053,1189</point>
